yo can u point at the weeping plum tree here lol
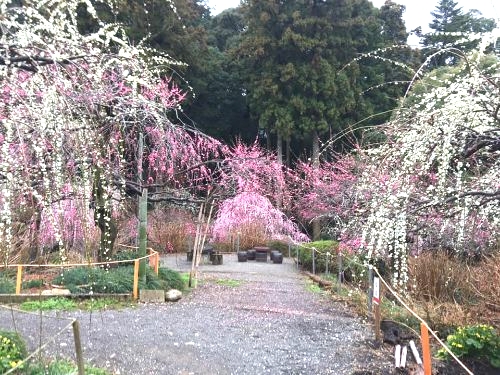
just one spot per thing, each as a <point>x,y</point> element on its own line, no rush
<point>254,184</point>
<point>435,183</point>
<point>84,124</point>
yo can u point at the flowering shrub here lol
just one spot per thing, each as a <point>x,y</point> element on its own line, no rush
<point>12,351</point>
<point>479,341</point>
<point>247,209</point>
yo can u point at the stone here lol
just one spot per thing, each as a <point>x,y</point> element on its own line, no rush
<point>151,296</point>
<point>56,292</point>
<point>173,295</point>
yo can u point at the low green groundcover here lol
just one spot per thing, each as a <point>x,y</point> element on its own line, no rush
<point>116,280</point>
<point>62,368</point>
<point>12,350</point>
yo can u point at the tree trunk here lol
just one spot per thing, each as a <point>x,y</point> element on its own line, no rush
<point>287,151</point>
<point>316,223</point>
<point>35,248</point>
<point>143,235</point>
<point>104,220</point>
<point>279,148</point>
<point>279,151</point>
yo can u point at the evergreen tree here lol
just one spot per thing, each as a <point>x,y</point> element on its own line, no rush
<point>304,78</point>
<point>450,27</point>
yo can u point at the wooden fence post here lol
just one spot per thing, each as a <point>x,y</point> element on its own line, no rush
<point>426,350</point>
<point>314,260</point>
<point>157,262</point>
<point>370,290</point>
<point>19,279</point>
<point>78,348</point>
<point>135,291</point>
<point>339,277</point>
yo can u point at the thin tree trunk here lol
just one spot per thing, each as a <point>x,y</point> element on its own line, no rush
<point>279,151</point>
<point>287,151</point>
<point>143,236</point>
<point>316,223</point>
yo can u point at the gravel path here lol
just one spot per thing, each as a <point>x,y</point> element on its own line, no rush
<point>268,324</point>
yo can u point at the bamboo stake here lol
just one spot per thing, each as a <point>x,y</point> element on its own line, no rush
<point>19,279</point>
<point>207,225</point>
<point>135,291</point>
<point>199,248</point>
<point>195,247</point>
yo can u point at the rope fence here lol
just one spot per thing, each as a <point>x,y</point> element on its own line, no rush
<point>153,256</point>
<point>424,326</point>
<point>76,335</point>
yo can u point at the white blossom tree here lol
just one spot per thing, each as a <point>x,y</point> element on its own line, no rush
<point>83,125</point>
<point>435,182</point>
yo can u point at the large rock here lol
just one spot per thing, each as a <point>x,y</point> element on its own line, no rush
<point>173,295</point>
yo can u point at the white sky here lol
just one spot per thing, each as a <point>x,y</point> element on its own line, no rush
<point>418,12</point>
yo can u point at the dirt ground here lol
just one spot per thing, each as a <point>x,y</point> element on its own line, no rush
<point>242,318</point>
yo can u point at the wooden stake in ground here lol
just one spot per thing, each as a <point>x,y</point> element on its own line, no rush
<point>403,357</point>
<point>426,349</point>
<point>195,246</point>
<point>202,244</point>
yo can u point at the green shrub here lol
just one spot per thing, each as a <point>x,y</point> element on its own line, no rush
<point>116,280</point>
<point>7,286</point>
<point>478,341</point>
<point>172,279</point>
<point>34,283</point>
<point>281,246</point>
<point>12,350</point>
<point>322,248</point>
<point>125,255</point>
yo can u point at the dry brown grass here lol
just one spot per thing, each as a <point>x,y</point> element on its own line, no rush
<point>171,230</point>
<point>437,277</point>
<point>449,292</point>
<point>246,237</point>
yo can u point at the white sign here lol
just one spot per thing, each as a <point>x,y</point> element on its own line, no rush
<point>376,290</point>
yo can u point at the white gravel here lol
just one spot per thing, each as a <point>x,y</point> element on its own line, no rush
<point>269,324</point>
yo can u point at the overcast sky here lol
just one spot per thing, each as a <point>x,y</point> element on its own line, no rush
<point>418,12</point>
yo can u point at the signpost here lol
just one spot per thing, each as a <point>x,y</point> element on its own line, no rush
<point>376,302</point>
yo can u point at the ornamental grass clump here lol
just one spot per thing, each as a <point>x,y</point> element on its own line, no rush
<point>477,341</point>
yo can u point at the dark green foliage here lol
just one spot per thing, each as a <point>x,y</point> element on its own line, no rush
<point>7,286</point>
<point>12,350</point>
<point>125,255</point>
<point>17,339</point>
<point>172,279</point>
<point>478,341</point>
<point>304,78</point>
<point>280,246</point>
<point>116,280</point>
<point>34,283</point>
<point>322,248</point>
<point>447,22</point>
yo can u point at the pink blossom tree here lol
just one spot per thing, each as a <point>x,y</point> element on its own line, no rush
<point>85,124</point>
<point>254,192</point>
